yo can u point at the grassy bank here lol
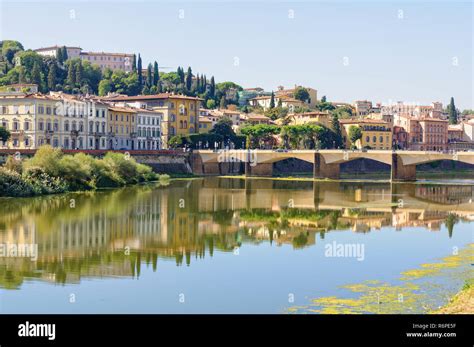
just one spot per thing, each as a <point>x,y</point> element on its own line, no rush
<point>461,303</point>
<point>52,172</point>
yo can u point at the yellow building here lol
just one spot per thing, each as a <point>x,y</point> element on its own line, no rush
<point>122,125</point>
<point>180,112</point>
<point>376,134</point>
<point>321,118</point>
<point>205,124</point>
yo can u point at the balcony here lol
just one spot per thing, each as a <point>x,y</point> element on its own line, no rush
<point>74,132</point>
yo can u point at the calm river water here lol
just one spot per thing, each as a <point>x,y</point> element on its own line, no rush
<point>220,245</point>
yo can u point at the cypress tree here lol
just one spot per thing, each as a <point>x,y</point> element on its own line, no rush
<point>59,55</point>
<point>134,63</point>
<point>198,84</point>
<point>149,77</point>
<point>71,76</point>
<point>64,53</point>
<point>272,100</point>
<point>181,74</point>
<point>453,115</point>
<point>222,104</point>
<point>79,73</point>
<point>212,89</point>
<point>36,75</point>
<point>156,74</point>
<point>204,84</point>
<point>139,71</point>
<point>189,79</point>
<point>52,77</point>
<point>336,127</point>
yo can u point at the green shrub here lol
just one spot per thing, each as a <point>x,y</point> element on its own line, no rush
<point>76,170</point>
<point>12,184</point>
<point>43,183</point>
<point>123,166</point>
<point>46,158</point>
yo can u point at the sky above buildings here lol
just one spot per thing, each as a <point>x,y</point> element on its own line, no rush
<point>418,51</point>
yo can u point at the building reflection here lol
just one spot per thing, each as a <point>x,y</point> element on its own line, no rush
<point>116,233</point>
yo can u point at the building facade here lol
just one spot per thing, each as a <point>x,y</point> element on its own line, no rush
<point>375,134</point>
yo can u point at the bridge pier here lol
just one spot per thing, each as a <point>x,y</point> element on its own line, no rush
<point>262,169</point>
<point>400,172</point>
<point>323,170</point>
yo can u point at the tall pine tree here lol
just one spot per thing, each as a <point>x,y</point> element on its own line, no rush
<point>139,72</point>
<point>134,63</point>
<point>36,75</point>
<point>79,74</point>
<point>52,77</point>
<point>272,100</point>
<point>212,88</point>
<point>189,79</point>
<point>64,53</point>
<point>453,115</point>
<point>156,74</point>
<point>336,127</point>
<point>149,76</point>
<point>71,75</point>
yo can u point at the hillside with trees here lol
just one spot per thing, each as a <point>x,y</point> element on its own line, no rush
<point>76,76</point>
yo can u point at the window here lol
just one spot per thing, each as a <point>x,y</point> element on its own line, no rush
<point>367,139</point>
<point>374,138</point>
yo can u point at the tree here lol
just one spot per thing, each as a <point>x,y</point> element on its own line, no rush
<point>212,88</point>
<point>189,79</point>
<point>134,63</point>
<point>272,100</point>
<point>59,55</point>
<point>211,104</point>
<point>149,76</point>
<point>105,86</point>
<point>222,104</point>
<point>323,99</point>
<point>301,94</point>
<point>139,71</point>
<point>71,76</point>
<point>223,127</point>
<point>180,73</point>
<point>79,73</point>
<point>156,74</point>
<point>4,134</point>
<point>355,134</point>
<point>52,77</point>
<point>36,75</point>
<point>453,114</point>
<point>336,128</point>
<point>64,53</point>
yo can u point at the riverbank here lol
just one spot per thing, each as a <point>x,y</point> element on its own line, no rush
<point>50,171</point>
<point>461,303</point>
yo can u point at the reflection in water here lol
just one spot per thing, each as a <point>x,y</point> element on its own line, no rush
<point>116,232</point>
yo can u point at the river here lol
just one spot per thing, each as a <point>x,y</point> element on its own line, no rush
<point>234,245</point>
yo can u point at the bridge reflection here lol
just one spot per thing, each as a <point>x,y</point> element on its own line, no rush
<point>114,233</point>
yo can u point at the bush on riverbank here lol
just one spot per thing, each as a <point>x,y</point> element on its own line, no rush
<point>49,171</point>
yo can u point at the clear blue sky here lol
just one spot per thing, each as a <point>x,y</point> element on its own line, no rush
<point>389,58</point>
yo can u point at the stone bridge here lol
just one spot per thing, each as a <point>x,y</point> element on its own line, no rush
<point>326,163</point>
